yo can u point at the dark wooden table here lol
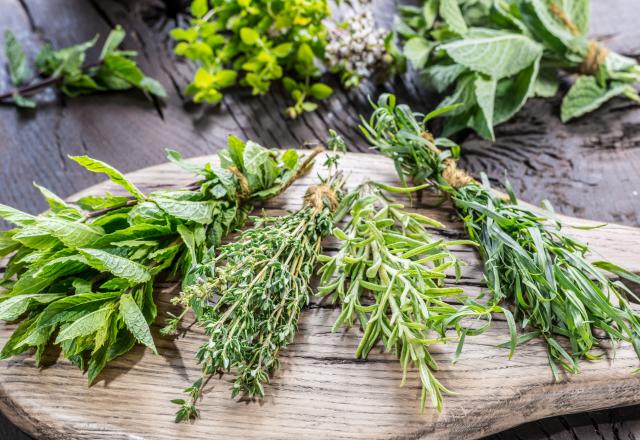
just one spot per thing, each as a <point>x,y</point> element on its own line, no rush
<point>590,168</point>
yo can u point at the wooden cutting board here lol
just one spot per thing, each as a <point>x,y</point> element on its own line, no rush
<point>321,391</point>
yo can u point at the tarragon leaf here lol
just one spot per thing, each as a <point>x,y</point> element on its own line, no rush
<point>587,95</point>
<point>135,322</point>
<point>119,266</point>
<point>116,176</point>
<point>499,56</point>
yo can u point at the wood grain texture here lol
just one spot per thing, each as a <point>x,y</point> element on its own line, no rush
<point>321,391</point>
<point>589,168</point>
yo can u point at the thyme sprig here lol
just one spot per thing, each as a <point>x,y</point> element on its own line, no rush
<point>250,304</point>
<point>389,273</point>
<point>529,262</point>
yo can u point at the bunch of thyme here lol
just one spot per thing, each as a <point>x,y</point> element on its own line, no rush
<point>391,254</point>
<point>250,306</point>
<point>529,261</point>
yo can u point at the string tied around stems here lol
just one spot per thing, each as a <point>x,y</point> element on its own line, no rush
<point>453,175</point>
<point>596,53</point>
<point>321,196</point>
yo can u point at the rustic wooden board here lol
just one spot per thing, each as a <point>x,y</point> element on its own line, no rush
<point>320,391</point>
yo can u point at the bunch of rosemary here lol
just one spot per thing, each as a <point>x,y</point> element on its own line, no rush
<point>494,55</point>
<point>391,254</point>
<point>529,262</point>
<point>80,276</point>
<point>250,304</point>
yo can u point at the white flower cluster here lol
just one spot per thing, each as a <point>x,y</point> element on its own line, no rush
<point>357,47</point>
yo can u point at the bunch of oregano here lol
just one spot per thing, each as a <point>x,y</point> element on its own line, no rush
<point>250,303</point>
<point>66,69</point>
<point>80,276</point>
<point>255,43</point>
<point>529,262</point>
<point>491,56</point>
<point>389,273</point>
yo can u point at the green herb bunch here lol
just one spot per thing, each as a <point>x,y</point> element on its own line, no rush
<point>389,274</point>
<point>251,303</point>
<point>529,262</point>
<point>493,55</point>
<point>66,69</point>
<point>80,276</point>
<point>255,43</point>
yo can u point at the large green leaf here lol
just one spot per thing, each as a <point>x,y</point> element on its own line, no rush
<point>35,238</point>
<point>72,234</point>
<point>15,216</point>
<point>485,92</point>
<point>497,56</point>
<point>135,321</point>
<point>417,51</point>
<point>38,278</point>
<point>116,176</point>
<point>199,212</point>
<point>587,95</point>
<point>512,93</point>
<point>119,266</point>
<point>86,325</point>
<point>15,306</point>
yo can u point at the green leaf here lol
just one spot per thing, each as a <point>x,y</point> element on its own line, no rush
<point>499,56</point>
<point>15,216</point>
<point>587,95</point>
<point>450,12</point>
<point>37,279</point>
<point>199,8</point>
<point>441,76</point>
<point>152,86</point>
<point>249,36</point>
<point>617,270</point>
<point>12,308</point>
<point>135,322</point>
<point>199,212</point>
<point>19,70</point>
<point>23,102</point>
<point>114,39</point>
<point>114,175</point>
<point>320,91</point>
<point>547,83</point>
<point>485,92</point>
<point>118,266</point>
<point>513,93</point>
<point>85,325</point>
<point>72,234</point>
<point>417,51</point>
<point>290,159</point>
<point>282,49</point>
<point>55,202</point>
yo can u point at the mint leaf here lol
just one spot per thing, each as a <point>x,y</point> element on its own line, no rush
<point>485,92</point>
<point>15,216</point>
<point>450,12</point>
<point>498,57</point>
<point>135,321</point>
<point>199,212</point>
<point>71,233</point>
<point>114,175</point>
<point>113,41</point>
<point>85,325</point>
<point>19,70</point>
<point>13,307</point>
<point>118,266</point>
<point>587,95</point>
<point>417,51</point>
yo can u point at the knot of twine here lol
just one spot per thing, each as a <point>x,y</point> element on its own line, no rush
<point>321,196</point>
<point>453,175</point>
<point>242,179</point>
<point>596,53</point>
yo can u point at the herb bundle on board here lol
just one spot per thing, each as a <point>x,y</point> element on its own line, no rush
<point>80,276</point>
<point>491,56</point>
<point>66,69</point>
<point>529,262</point>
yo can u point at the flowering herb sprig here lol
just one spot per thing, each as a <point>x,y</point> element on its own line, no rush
<point>257,43</point>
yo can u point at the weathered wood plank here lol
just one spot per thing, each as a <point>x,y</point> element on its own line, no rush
<point>319,381</point>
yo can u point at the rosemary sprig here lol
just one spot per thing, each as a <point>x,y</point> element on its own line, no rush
<point>86,271</point>
<point>249,307</point>
<point>529,261</point>
<point>391,254</point>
